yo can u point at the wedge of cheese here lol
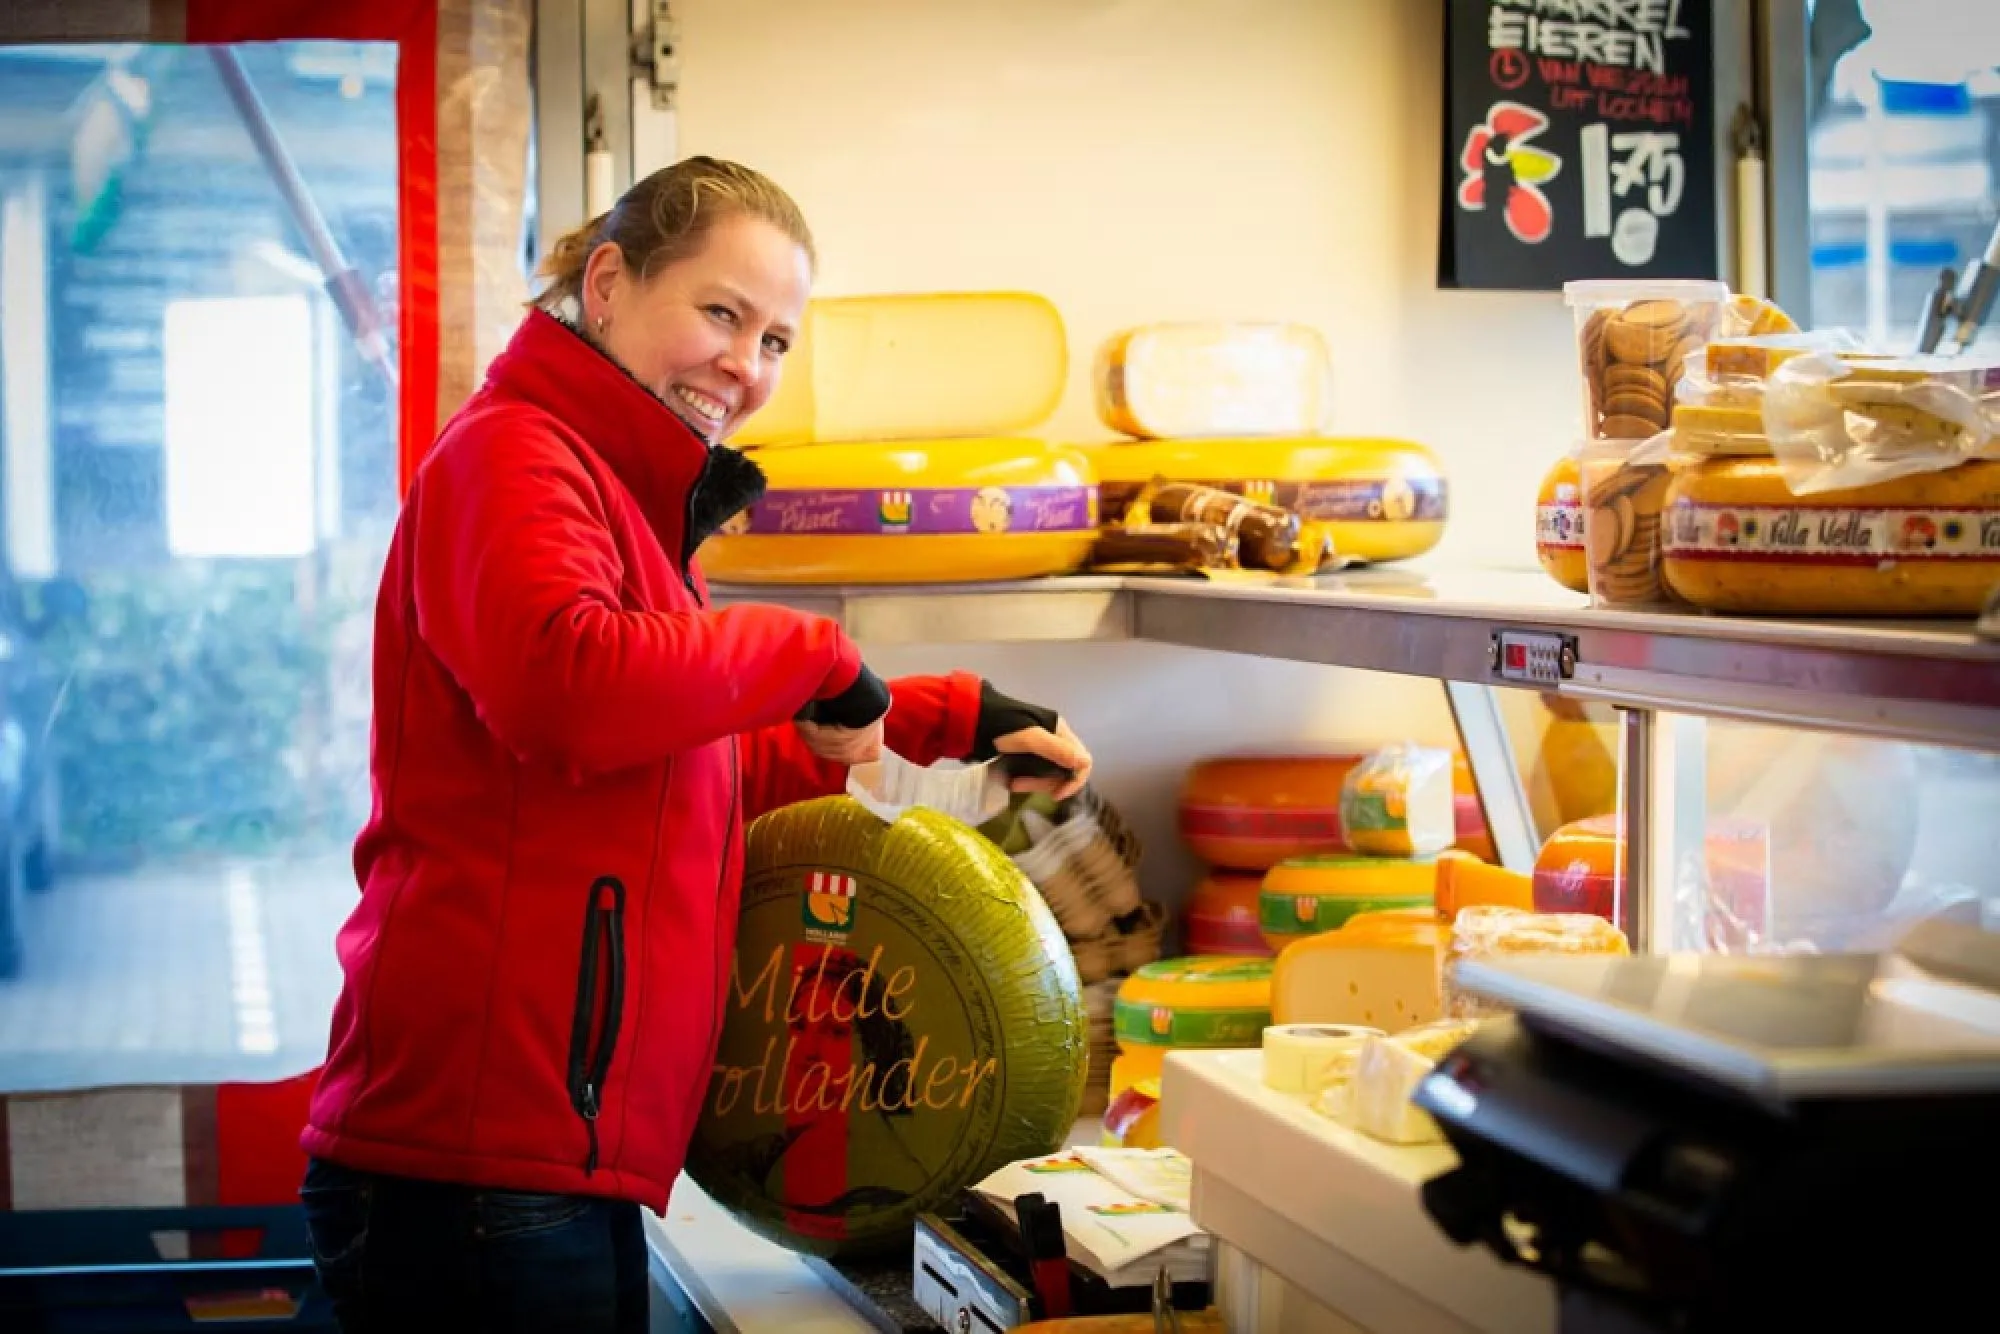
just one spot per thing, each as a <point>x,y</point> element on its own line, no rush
<point>1378,971</point>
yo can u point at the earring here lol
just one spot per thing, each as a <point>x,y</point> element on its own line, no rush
<point>600,326</point>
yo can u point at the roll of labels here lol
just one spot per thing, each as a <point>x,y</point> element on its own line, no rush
<point>1308,1058</point>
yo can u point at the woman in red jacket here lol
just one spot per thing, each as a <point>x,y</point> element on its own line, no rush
<point>568,741</point>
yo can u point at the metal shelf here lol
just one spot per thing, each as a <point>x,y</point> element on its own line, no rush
<point>1918,681</point>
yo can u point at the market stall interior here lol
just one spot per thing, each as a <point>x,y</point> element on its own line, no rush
<point>1518,562</point>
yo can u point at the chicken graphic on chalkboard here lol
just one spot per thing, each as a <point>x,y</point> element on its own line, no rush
<point>1500,164</point>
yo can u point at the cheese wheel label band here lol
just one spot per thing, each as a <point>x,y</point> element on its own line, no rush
<point>1301,914</point>
<point>1384,500</point>
<point>1829,535</point>
<point>901,1018</point>
<point>1560,524</point>
<point>920,511</point>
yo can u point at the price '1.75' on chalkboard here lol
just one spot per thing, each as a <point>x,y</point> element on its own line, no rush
<point>1579,142</point>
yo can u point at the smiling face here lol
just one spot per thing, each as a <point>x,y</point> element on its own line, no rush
<point>707,333</point>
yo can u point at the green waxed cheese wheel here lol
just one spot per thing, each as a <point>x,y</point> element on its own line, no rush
<point>903,1017</point>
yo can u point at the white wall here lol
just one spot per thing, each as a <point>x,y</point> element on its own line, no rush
<point>1141,160</point>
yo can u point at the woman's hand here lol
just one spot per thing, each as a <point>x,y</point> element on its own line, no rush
<point>1059,747</point>
<point>842,745</point>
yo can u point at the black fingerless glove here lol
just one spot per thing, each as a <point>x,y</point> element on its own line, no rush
<point>1001,715</point>
<point>857,706</point>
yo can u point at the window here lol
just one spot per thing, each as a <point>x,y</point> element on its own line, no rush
<point>197,485</point>
<point>1903,157</point>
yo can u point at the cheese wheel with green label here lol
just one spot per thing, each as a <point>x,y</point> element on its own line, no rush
<point>1308,895</point>
<point>911,367</point>
<point>903,1017</point>
<point>911,512</point>
<point>1378,499</point>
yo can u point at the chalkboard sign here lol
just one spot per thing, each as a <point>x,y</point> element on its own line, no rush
<point>1579,142</point>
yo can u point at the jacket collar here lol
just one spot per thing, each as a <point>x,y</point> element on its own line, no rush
<point>660,459</point>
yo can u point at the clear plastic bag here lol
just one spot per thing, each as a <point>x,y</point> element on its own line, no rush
<point>1398,802</point>
<point>1837,422</point>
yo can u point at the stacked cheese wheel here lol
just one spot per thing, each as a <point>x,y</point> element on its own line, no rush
<point>897,449</point>
<point>1241,406</point>
<point>1245,815</point>
<point>1212,1001</point>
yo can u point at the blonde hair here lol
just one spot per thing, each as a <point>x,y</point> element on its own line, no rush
<point>665,218</point>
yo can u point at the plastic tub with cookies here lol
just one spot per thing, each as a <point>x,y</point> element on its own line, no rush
<point>1634,343</point>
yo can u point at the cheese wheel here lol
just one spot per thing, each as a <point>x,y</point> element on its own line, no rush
<point>903,1017</point>
<point>1559,525</point>
<point>912,367</point>
<point>1250,812</point>
<point>1194,1002</point>
<point>1383,974</point>
<point>1308,895</point>
<point>1581,869</point>
<point>1221,915</point>
<point>1161,381</point>
<point>1306,1058</point>
<point>917,512</point>
<point>1737,539</point>
<point>1378,499</point>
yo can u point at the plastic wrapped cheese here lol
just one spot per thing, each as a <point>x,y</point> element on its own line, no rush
<point>1375,1100</point>
<point>1398,803</point>
<point>918,366</point>
<point>1489,932</point>
<point>1161,381</point>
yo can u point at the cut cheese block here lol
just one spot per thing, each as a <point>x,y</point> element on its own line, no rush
<point>1736,539</point>
<point>1491,932</point>
<point>1161,381</point>
<point>1221,917</point>
<point>939,511</point>
<point>1377,499</point>
<point>914,367</point>
<point>1464,881</point>
<point>1308,895</point>
<point>1387,1071</point>
<point>1307,1058</point>
<point>1383,976</point>
<point>903,1018</point>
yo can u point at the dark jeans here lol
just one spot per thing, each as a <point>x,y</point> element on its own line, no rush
<point>395,1253</point>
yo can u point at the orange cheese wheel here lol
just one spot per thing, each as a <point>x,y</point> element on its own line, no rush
<point>1582,869</point>
<point>1221,916</point>
<point>1249,813</point>
<point>1559,525</point>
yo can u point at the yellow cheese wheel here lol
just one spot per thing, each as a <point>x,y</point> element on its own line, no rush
<point>1559,525</point>
<point>1197,1001</point>
<point>1737,539</point>
<point>1196,378</point>
<point>917,512</point>
<point>1309,895</point>
<point>1378,499</point>
<point>935,364</point>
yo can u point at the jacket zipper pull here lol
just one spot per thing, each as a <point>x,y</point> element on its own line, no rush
<point>589,1111</point>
